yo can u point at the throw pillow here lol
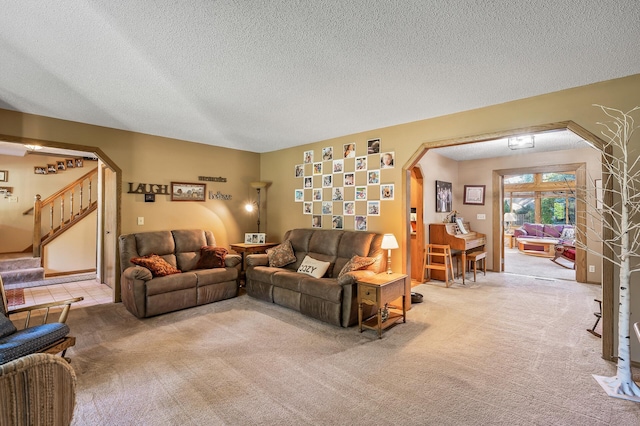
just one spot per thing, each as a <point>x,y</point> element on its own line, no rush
<point>281,255</point>
<point>315,268</point>
<point>356,263</point>
<point>156,264</point>
<point>6,326</point>
<point>211,257</point>
<point>568,234</point>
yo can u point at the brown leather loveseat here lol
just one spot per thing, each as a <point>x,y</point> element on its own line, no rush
<point>329,298</point>
<point>145,295</point>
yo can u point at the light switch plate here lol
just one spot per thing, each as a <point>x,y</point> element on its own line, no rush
<point>481,216</point>
<point>140,220</point>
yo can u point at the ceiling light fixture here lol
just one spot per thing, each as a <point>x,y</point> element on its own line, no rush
<point>521,142</point>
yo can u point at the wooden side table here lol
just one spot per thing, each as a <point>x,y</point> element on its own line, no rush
<point>380,290</point>
<point>242,248</point>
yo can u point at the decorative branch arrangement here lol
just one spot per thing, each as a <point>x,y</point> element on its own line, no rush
<point>619,217</point>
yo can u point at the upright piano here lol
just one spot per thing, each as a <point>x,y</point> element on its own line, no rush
<point>450,234</point>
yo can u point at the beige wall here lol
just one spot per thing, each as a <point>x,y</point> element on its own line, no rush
<point>152,159</point>
<point>74,250</point>
<point>16,229</point>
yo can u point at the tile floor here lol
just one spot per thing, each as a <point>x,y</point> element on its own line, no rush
<point>93,292</point>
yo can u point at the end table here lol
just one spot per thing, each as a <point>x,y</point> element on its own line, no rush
<point>380,290</point>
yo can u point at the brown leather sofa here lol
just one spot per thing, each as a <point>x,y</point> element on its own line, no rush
<point>328,298</point>
<point>144,295</point>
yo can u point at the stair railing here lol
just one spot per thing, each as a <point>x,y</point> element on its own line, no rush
<point>59,216</point>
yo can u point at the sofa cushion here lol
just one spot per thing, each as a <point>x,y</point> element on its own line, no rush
<point>322,288</point>
<point>533,229</point>
<point>315,268</point>
<point>211,257</point>
<point>171,283</point>
<point>356,263</point>
<point>30,340</point>
<point>552,231</point>
<point>159,242</point>
<point>287,279</point>
<point>192,239</point>
<point>216,276</point>
<point>156,264</point>
<point>568,233</point>
<point>281,255</point>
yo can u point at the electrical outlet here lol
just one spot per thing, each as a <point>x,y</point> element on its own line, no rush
<point>481,216</point>
<point>592,268</point>
<point>13,199</point>
<point>140,220</point>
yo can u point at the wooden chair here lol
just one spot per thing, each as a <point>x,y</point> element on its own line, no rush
<point>45,337</point>
<point>598,316</point>
<point>567,253</point>
<point>37,389</point>
<point>443,253</point>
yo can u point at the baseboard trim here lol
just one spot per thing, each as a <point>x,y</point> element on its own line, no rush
<point>62,274</point>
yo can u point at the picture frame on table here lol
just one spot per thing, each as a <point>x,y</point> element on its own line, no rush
<point>255,238</point>
<point>474,194</point>
<point>183,191</point>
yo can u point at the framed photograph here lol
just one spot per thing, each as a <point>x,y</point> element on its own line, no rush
<point>299,172</point>
<point>361,193</point>
<point>4,176</point>
<point>181,191</point>
<point>327,181</point>
<point>349,179</point>
<point>327,207</point>
<point>337,194</point>
<point>338,166</point>
<point>387,160</point>
<point>373,177</point>
<point>373,146</point>
<point>307,207</point>
<point>317,168</point>
<point>52,168</point>
<point>444,197</point>
<point>149,198</point>
<point>386,191</point>
<point>349,150</point>
<point>61,166</point>
<point>337,222</point>
<point>361,223</point>
<point>70,163</point>
<point>316,221</point>
<point>373,208</point>
<point>308,157</point>
<point>327,153</point>
<point>298,195</point>
<point>40,170</point>
<point>255,238</point>
<point>317,194</point>
<point>349,208</point>
<point>361,164</point>
<point>308,182</point>
<point>79,162</point>
<point>474,194</point>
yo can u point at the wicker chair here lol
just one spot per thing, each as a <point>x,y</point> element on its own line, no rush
<point>46,337</point>
<point>37,389</point>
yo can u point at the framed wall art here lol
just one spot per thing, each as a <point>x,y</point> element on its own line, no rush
<point>181,191</point>
<point>474,194</point>
<point>4,176</point>
<point>444,197</point>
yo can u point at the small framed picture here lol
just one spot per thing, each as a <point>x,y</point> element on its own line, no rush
<point>474,194</point>
<point>349,179</point>
<point>386,191</point>
<point>181,191</point>
<point>349,208</point>
<point>338,166</point>
<point>40,170</point>
<point>317,168</point>
<point>327,207</point>
<point>52,168</point>
<point>373,208</point>
<point>308,157</point>
<point>327,181</point>
<point>337,222</point>
<point>298,195</point>
<point>444,197</point>
<point>307,207</point>
<point>70,163</point>
<point>373,146</point>
<point>316,221</point>
<point>349,150</point>
<point>373,177</point>
<point>361,164</point>
<point>387,160</point>
<point>79,162</point>
<point>361,193</point>
<point>327,153</point>
<point>317,194</point>
<point>61,166</point>
<point>299,171</point>
<point>255,238</point>
<point>4,176</point>
<point>337,194</point>
<point>308,182</point>
<point>361,223</point>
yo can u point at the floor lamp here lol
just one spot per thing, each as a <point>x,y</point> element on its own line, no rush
<point>257,186</point>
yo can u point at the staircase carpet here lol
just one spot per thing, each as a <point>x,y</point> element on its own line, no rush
<point>15,297</point>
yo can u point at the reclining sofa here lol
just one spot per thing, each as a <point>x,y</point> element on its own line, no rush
<point>329,298</point>
<point>145,295</point>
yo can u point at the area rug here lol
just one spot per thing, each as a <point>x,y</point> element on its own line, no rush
<point>15,297</point>
<point>505,350</point>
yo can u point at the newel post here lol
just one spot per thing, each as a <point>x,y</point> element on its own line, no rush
<point>37,219</point>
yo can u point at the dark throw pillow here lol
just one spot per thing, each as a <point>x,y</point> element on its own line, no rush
<point>156,264</point>
<point>281,255</point>
<point>211,257</point>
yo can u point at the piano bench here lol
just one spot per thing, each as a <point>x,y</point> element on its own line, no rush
<point>475,257</point>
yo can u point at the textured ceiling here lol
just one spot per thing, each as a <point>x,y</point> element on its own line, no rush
<point>266,75</point>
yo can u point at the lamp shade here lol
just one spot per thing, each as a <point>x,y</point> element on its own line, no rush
<point>389,242</point>
<point>510,217</point>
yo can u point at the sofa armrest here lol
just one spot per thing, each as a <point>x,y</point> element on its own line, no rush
<point>519,232</point>
<point>353,276</point>
<point>232,260</point>
<point>137,273</point>
<point>133,289</point>
<point>257,260</point>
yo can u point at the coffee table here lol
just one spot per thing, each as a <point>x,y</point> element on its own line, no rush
<point>543,247</point>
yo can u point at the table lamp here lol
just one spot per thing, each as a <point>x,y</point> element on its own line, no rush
<point>509,218</point>
<point>389,242</point>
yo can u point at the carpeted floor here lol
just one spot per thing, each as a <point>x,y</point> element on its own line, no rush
<point>506,350</point>
<point>520,263</point>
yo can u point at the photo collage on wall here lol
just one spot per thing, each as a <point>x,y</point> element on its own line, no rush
<point>342,187</point>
